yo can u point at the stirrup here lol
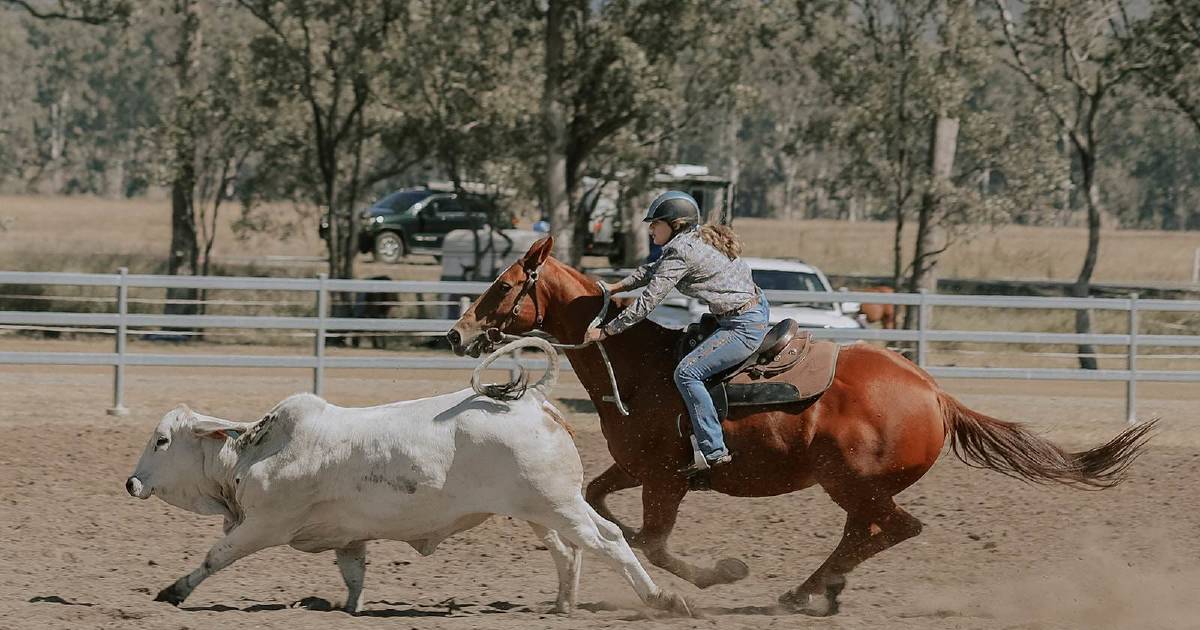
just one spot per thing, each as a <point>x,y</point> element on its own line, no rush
<point>703,465</point>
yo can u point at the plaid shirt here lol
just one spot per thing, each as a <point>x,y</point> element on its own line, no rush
<point>697,270</point>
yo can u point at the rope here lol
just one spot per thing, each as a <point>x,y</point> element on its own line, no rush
<point>612,377</point>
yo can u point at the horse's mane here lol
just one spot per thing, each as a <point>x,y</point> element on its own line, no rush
<point>618,305</point>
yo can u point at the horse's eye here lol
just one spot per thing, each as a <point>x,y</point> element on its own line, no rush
<point>506,287</point>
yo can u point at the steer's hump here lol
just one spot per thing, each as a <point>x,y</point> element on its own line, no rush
<point>282,418</point>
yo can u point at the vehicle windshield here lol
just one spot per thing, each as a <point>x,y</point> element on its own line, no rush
<point>776,280</point>
<point>401,200</point>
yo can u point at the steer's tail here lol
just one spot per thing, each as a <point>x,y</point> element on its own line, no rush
<point>1011,449</point>
<point>516,388</point>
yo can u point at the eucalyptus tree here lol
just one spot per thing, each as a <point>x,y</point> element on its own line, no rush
<point>319,64</point>
<point>1168,44</point>
<point>84,11</point>
<point>622,74</point>
<point>1071,53</point>
<point>914,126</point>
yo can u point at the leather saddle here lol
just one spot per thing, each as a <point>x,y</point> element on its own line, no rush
<point>788,367</point>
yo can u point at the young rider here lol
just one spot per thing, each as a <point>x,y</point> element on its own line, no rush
<point>702,262</point>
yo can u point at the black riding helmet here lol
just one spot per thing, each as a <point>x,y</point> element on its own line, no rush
<point>672,205</point>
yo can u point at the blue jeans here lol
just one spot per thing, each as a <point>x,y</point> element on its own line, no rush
<point>735,339</point>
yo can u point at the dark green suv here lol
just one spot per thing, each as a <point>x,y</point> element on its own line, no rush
<point>416,220</point>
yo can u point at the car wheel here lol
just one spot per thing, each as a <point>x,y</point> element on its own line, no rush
<point>389,248</point>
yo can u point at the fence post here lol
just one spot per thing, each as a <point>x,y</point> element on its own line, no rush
<point>922,324</point>
<point>515,371</point>
<point>119,408</point>
<point>319,337</point>
<point>1131,362</point>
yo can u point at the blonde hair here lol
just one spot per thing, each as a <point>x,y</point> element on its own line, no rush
<point>721,237</point>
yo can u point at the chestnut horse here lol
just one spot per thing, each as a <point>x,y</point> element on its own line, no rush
<point>885,314</point>
<point>880,426</point>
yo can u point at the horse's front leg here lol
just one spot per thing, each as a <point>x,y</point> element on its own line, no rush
<point>660,507</point>
<point>612,480</point>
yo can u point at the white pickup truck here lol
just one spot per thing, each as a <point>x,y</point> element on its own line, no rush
<point>771,274</point>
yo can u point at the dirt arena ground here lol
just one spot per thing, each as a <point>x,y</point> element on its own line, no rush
<point>79,553</point>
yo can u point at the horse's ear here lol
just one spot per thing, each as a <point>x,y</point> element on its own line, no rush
<point>538,253</point>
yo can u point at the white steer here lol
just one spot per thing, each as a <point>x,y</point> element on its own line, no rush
<point>316,476</point>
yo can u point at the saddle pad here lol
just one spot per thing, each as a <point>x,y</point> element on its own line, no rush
<point>811,376</point>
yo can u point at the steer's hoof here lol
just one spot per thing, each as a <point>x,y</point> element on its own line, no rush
<point>561,609</point>
<point>675,604</point>
<point>173,595</point>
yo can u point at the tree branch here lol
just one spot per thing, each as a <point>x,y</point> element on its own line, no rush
<point>116,11</point>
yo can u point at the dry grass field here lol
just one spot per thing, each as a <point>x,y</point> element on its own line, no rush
<point>87,234</point>
<point>90,234</point>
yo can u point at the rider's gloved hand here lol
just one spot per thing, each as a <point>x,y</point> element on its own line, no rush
<point>594,334</point>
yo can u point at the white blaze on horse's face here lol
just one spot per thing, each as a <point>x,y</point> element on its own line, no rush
<point>494,309</point>
<point>511,305</point>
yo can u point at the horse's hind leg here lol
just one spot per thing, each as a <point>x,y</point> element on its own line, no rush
<point>869,530</point>
<point>660,507</point>
<point>612,480</point>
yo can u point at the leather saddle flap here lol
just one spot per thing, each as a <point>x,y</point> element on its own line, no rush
<point>804,364</point>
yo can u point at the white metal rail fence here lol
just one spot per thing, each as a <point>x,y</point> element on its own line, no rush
<point>322,325</point>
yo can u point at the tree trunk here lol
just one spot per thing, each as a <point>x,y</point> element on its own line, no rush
<point>943,146</point>
<point>554,128</point>
<point>787,208</point>
<point>732,126</point>
<point>1083,283</point>
<point>898,248</point>
<point>636,243</point>
<point>184,256</point>
<point>58,143</point>
<point>350,198</point>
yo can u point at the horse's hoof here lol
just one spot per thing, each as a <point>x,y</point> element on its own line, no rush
<point>732,569</point>
<point>812,605</point>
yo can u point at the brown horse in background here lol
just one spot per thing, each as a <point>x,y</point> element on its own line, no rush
<point>880,426</point>
<point>885,314</point>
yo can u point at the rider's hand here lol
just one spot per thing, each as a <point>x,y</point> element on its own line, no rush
<point>593,335</point>
<point>613,287</point>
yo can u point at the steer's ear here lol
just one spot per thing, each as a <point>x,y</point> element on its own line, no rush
<point>538,253</point>
<point>216,428</point>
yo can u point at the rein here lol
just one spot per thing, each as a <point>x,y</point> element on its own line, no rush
<point>495,335</point>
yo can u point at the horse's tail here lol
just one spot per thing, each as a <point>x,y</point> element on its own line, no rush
<point>516,388</point>
<point>1010,448</point>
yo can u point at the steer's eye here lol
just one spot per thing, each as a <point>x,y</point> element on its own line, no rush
<point>161,441</point>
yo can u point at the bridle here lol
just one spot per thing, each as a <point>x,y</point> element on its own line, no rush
<point>529,287</point>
